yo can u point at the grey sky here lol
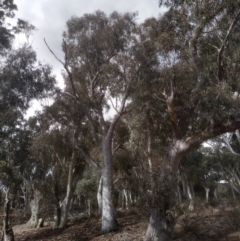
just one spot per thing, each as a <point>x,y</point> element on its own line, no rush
<point>50,17</point>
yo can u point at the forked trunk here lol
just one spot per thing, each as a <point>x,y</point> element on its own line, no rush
<point>160,226</point>
<point>109,222</point>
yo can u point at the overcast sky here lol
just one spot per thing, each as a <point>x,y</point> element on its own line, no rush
<point>50,17</point>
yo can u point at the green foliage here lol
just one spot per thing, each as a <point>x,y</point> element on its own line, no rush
<point>87,186</point>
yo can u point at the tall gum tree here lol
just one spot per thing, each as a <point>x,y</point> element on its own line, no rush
<point>191,82</point>
<point>100,71</point>
<point>22,79</point>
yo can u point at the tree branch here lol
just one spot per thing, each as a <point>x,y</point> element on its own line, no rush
<point>224,45</point>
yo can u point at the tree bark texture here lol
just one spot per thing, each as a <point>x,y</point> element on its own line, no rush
<point>161,222</point>
<point>109,222</point>
<point>99,196</point>
<point>190,197</point>
<point>160,227</point>
<point>57,215</point>
<point>34,205</point>
<point>7,233</point>
<point>66,202</point>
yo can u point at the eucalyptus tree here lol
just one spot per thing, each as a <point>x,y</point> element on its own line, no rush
<point>22,79</point>
<point>195,88</point>
<point>61,163</point>
<point>100,71</point>
<point>7,9</point>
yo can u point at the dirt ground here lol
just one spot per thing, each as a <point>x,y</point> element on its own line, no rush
<point>206,223</point>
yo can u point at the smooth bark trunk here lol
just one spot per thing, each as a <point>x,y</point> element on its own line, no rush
<point>89,207</point>
<point>190,197</point>
<point>25,197</point>
<point>160,227</point>
<point>7,233</point>
<point>57,215</point>
<point>66,202</point>
<point>207,190</point>
<point>109,222</point>
<point>125,198</point>
<point>99,196</point>
<point>34,206</point>
<point>179,195</point>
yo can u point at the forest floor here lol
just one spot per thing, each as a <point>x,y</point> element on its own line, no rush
<point>205,223</point>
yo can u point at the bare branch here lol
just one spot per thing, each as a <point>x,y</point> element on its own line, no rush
<point>227,142</point>
<point>65,65</point>
<point>53,52</point>
<point>85,153</point>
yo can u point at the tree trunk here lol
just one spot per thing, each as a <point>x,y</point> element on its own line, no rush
<point>109,222</point>
<point>99,196</point>
<point>66,202</point>
<point>161,223</point>
<point>34,205</point>
<point>215,193</point>
<point>89,210</point>
<point>233,192</point>
<point>207,189</point>
<point>190,197</point>
<point>184,186</point>
<point>25,197</point>
<point>7,233</point>
<point>125,198</point>
<point>57,215</point>
<point>179,195</point>
<point>160,227</point>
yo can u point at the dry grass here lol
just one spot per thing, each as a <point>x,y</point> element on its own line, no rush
<point>205,223</point>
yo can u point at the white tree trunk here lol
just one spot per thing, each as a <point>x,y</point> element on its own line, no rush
<point>125,198</point>
<point>109,222</point>
<point>190,197</point>
<point>7,232</point>
<point>179,195</point>
<point>66,202</point>
<point>130,196</point>
<point>99,196</point>
<point>89,207</point>
<point>207,190</point>
<point>57,216</point>
<point>34,206</point>
<point>24,188</point>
